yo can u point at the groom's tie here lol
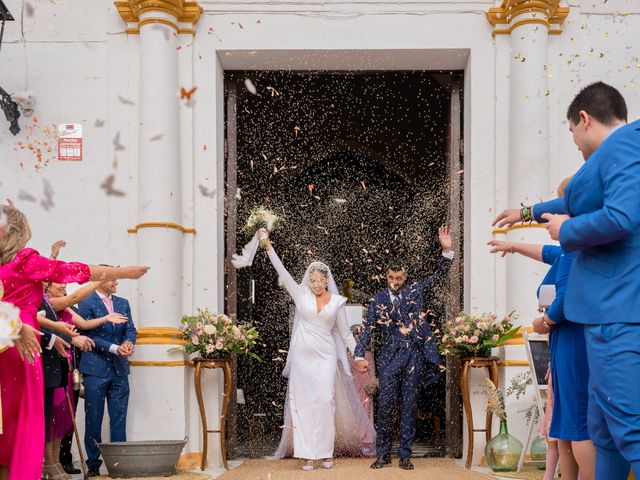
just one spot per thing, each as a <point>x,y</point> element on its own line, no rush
<point>396,302</point>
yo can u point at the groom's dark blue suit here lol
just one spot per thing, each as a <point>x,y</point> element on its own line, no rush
<point>402,358</point>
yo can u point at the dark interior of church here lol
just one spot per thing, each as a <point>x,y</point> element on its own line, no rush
<point>355,165</point>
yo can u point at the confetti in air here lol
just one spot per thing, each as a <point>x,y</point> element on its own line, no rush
<point>108,188</point>
<point>250,86</point>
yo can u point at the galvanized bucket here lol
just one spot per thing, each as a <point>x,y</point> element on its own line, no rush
<point>150,458</point>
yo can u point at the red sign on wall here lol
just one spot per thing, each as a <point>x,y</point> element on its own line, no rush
<point>70,141</point>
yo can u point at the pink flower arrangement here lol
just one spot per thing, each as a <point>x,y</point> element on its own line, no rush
<point>216,335</point>
<point>475,335</point>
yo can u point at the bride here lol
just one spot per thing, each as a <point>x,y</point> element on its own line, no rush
<point>323,414</point>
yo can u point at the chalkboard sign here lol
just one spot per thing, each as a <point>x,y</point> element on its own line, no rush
<point>540,356</point>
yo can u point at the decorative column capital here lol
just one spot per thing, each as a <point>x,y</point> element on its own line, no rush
<point>513,13</point>
<point>183,14</point>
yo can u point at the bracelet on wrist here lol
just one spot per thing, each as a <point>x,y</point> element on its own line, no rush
<point>526,213</point>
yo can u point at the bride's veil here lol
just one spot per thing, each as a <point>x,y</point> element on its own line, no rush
<point>354,430</point>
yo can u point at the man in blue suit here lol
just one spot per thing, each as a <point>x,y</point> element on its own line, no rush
<point>408,349</point>
<point>106,370</point>
<point>599,220</point>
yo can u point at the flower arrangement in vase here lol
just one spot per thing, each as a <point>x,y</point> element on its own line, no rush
<point>475,335</point>
<point>216,335</point>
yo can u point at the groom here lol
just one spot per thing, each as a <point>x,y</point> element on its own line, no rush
<point>408,349</point>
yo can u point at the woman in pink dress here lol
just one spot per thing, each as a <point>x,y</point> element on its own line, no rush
<point>22,273</point>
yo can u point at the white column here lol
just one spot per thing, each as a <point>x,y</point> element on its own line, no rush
<point>528,150</point>
<point>160,198</point>
<point>158,404</point>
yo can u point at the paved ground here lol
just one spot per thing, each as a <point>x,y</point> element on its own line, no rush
<point>356,469</point>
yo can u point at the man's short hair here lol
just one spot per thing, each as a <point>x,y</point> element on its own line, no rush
<point>396,267</point>
<point>601,101</point>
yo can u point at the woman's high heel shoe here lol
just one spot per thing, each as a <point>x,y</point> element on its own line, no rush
<point>55,472</point>
<point>329,463</point>
<point>308,465</point>
<point>63,475</point>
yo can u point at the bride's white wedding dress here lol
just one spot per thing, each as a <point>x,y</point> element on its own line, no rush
<point>323,415</point>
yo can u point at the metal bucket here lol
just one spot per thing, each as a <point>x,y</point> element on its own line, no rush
<point>150,458</point>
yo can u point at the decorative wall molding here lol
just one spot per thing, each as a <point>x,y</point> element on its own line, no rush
<point>161,225</point>
<point>547,13</point>
<point>185,12</point>
<point>159,336</point>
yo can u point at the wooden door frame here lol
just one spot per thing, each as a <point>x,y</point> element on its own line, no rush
<point>231,276</point>
<point>454,158</point>
<point>455,162</point>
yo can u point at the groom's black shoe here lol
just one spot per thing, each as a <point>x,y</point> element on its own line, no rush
<point>93,472</point>
<point>382,461</point>
<point>405,464</point>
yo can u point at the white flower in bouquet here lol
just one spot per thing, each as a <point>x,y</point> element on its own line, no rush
<point>9,324</point>
<point>209,329</point>
<point>261,218</point>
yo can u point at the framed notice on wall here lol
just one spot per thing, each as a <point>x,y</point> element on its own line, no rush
<point>70,141</point>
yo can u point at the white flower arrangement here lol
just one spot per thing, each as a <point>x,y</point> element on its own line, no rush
<point>10,324</point>
<point>261,217</point>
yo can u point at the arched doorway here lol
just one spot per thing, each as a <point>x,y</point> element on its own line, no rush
<point>358,166</point>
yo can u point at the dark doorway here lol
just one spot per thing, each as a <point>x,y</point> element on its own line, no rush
<point>359,167</point>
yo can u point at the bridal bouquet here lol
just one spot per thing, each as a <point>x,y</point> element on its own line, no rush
<point>259,218</point>
<point>9,324</point>
<point>475,335</point>
<point>216,336</point>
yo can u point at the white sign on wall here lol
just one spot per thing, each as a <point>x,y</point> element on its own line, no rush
<point>70,141</point>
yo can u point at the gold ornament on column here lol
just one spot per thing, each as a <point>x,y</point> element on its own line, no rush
<point>513,13</point>
<point>184,11</point>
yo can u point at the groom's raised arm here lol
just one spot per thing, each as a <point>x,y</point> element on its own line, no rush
<point>436,277</point>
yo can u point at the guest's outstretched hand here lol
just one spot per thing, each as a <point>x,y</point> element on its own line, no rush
<point>61,347</point>
<point>500,246</point>
<point>116,318</point>
<point>28,343</point>
<point>85,344</point>
<point>507,217</point>
<point>135,272</point>
<point>444,235</point>
<point>55,248</point>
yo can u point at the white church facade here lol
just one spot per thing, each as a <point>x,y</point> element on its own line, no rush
<point>158,87</point>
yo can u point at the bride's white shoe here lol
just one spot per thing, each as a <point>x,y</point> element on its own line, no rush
<point>308,465</point>
<point>328,464</point>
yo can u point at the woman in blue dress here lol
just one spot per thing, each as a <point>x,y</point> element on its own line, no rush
<point>569,364</point>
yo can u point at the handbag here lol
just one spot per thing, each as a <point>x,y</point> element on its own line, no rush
<point>76,375</point>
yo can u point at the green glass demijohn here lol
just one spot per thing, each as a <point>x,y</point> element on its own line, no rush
<point>503,451</point>
<point>538,449</point>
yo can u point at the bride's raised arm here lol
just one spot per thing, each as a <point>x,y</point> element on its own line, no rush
<point>285,277</point>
